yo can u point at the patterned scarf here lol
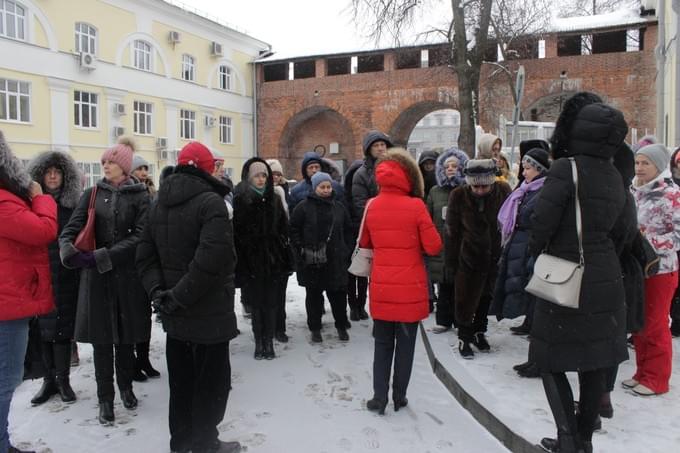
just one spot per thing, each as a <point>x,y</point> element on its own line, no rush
<point>507,216</point>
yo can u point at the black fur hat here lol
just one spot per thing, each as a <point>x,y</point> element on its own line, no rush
<point>13,176</point>
<point>573,105</point>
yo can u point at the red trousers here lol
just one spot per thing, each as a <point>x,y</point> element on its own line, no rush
<point>653,346</point>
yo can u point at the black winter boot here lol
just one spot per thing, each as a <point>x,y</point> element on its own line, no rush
<point>400,402</point>
<point>221,446</point>
<point>465,350</point>
<point>376,405</point>
<point>362,313</point>
<point>129,399</point>
<point>316,336</point>
<point>479,340</point>
<point>343,335</point>
<point>259,349</point>
<point>106,416</point>
<point>354,314</point>
<point>62,365</point>
<point>47,390</point>
<point>268,349</point>
<point>142,363</point>
<point>13,449</point>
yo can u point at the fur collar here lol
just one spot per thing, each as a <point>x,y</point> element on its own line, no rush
<point>71,187</point>
<point>13,176</point>
<point>403,158</point>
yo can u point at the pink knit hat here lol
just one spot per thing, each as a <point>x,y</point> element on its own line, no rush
<point>121,154</point>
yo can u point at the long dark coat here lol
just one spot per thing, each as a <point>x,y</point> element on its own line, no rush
<point>260,232</point>
<point>592,336</point>
<point>188,248</point>
<point>309,227</point>
<point>516,265</point>
<point>59,324</point>
<point>473,246</point>
<point>113,307</point>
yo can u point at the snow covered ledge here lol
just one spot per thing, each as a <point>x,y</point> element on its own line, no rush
<point>481,404</point>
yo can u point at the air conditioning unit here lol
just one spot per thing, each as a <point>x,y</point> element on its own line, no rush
<point>118,131</point>
<point>161,143</point>
<point>163,154</point>
<point>216,49</point>
<point>119,109</point>
<point>174,37</point>
<point>88,61</point>
<point>209,121</point>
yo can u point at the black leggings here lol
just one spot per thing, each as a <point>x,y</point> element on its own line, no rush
<point>561,401</point>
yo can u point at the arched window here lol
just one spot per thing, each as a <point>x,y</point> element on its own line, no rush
<point>86,38</point>
<point>12,20</point>
<point>188,68</point>
<point>142,55</point>
<point>226,78</point>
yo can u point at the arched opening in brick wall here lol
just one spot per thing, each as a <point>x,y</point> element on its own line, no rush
<point>319,128</point>
<point>408,119</point>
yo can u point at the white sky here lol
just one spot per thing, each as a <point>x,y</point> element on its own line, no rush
<point>293,27</point>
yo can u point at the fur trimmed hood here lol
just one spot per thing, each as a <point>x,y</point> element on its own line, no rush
<point>457,180</point>
<point>387,178</point>
<point>71,188</point>
<point>13,176</point>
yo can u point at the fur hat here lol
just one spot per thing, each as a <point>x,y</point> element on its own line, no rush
<point>196,154</point>
<point>121,154</point>
<point>319,177</point>
<point>399,158</point>
<point>559,140</point>
<point>538,158</point>
<point>480,172</point>
<point>71,186</point>
<point>275,165</point>
<point>658,154</point>
<point>138,161</point>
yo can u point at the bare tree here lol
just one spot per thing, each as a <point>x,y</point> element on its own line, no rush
<point>466,34</point>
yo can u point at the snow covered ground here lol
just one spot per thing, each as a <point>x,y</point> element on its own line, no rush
<point>311,399</point>
<point>640,425</point>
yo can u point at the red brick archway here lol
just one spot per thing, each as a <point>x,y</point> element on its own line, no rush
<point>403,125</point>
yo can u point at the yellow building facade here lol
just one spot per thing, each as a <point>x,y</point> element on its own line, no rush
<point>77,74</point>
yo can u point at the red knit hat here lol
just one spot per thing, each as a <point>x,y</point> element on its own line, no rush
<point>197,155</point>
<point>121,154</point>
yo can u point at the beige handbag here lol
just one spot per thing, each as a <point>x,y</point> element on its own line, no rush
<point>362,259</point>
<point>555,279</point>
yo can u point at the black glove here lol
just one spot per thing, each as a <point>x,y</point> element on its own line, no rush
<point>164,302</point>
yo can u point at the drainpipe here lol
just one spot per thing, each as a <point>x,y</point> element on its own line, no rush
<point>676,110</point>
<point>661,72</point>
<point>264,54</point>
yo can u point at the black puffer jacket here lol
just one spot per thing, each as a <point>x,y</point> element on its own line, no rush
<point>592,336</point>
<point>515,268</point>
<point>363,182</point>
<point>260,231</point>
<point>113,307</point>
<point>59,325</point>
<point>309,227</point>
<point>188,248</point>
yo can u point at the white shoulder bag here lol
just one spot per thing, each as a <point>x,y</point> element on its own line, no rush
<point>555,279</point>
<point>362,259</point>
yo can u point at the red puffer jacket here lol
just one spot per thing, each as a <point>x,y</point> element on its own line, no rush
<point>25,232</point>
<point>399,230</point>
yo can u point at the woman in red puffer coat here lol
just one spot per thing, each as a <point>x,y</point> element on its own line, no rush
<point>399,229</point>
<point>28,224</point>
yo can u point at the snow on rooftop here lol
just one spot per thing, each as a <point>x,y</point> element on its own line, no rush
<point>614,19</point>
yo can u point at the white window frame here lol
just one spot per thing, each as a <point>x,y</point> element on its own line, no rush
<point>226,76</point>
<point>17,17</point>
<point>93,172</point>
<point>93,109</point>
<point>187,124</point>
<point>188,68</point>
<point>142,118</point>
<point>226,130</point>
<point>88,33</point>
<point>14,98</point>
<point>142,55</point>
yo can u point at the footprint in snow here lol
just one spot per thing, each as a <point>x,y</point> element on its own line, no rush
<point>345,444</point>
<point>371,438</point>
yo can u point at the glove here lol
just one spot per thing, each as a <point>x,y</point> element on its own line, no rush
<point>83,260</point>
<point>165,303</point>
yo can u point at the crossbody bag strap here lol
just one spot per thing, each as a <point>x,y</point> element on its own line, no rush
<point>579,220</point>
<point>330,231</point>
<point>363,219</point>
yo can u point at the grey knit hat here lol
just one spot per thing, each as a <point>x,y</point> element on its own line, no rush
<point>480,172</point>
<point>139,161</point>
<point>319,177</point>
<point>658,154</point>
